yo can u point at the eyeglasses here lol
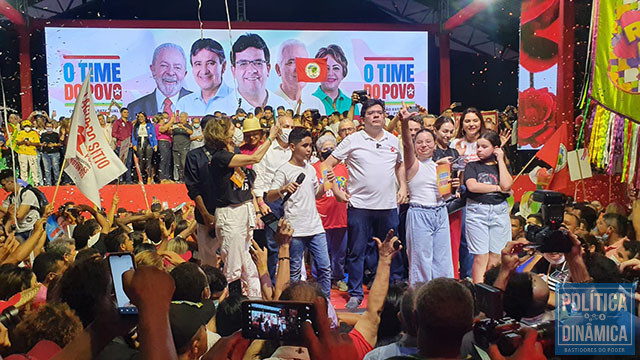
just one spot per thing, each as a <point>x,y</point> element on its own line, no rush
<point>245,63</point>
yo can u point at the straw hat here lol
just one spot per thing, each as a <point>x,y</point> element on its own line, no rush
<point>249,125</point>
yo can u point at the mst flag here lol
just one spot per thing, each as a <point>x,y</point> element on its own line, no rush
<point>556,177</point>
<point>311,70</point>
<point>91,163</point>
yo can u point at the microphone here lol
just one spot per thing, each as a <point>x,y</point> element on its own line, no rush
<point>299,181</point>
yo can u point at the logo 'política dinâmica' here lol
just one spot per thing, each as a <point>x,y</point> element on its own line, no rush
<point>595,319</point>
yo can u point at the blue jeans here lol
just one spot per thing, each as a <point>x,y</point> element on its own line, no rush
<point>51,162</point>
<point>277,208</point>
<point>337,244</point>
<point>428,244</point>
<point>466,259</point>
<point>317,245</point>
<point>363,225</point>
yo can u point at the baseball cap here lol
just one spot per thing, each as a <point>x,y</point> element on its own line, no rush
<point>187,317</point>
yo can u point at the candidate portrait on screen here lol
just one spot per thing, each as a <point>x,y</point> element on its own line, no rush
<point>168,68</point>
<point>290,90</point>
<point>208,65</point>
<point>250,66</point>
<point>329,91</point>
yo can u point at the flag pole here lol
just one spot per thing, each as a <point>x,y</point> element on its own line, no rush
<point>55,193</point>
<point>524,168</point>
<point>140,181</point>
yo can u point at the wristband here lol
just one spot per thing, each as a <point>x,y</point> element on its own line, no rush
<point>270,141</point>
<point>284,258</point>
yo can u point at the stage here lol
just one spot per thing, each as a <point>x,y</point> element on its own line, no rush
<point>131,196</point>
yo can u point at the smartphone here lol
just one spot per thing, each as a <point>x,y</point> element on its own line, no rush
<point>413,109</point>
<point>276,320</point>
<point>119,263</point>
<point>271,221</point>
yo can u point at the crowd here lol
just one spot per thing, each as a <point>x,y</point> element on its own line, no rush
<point>360,197</point>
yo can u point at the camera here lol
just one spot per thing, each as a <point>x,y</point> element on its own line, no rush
<point>505,331</point>
<point>10,317</point>
<point>550,238</point>
<point>506,334</point>
<point>363,95</point>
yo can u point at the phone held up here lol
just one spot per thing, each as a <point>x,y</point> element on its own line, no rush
<point>276,320</point>
<point>119,263</point>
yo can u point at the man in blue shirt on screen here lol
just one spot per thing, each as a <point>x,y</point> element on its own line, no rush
<point>208,64</point>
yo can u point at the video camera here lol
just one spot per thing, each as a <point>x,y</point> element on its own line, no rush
<point>550,238</point>
<point>505,331</point>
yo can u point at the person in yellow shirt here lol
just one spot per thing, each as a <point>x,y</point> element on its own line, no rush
<point>28,140</point>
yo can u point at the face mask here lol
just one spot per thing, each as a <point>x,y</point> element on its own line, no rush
<point>325,154</point>
<point>240,117</point>
<point>27,129</point>
<point>554,261</point>
<point>93,239</point>
<point>284,137</point>
<point>195,126</point>
<point>49,129</point>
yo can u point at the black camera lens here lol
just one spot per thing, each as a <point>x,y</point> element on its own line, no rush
<point>10,317</point>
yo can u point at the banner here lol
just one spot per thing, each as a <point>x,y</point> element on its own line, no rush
<point>538,73</point>
<point>151,70</point>
<point>616,80</point>
<point>90,161</point>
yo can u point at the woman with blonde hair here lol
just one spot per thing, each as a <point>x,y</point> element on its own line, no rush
<point>236,209</point>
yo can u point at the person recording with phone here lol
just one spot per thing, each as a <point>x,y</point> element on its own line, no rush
<point>296,183</point>
<point>235,214</point>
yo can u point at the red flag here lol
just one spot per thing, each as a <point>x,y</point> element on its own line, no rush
<point>311,70</point>
<point>554,154</point>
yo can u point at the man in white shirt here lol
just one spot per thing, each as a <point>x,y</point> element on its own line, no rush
<point>208,64</point>
<point>25,208</point>
<point>250,66</point>
<point>300,208</point>
<point>278,154</point>
<point>374,161</point>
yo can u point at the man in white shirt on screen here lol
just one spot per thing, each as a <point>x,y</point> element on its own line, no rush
<point>250,65</point>
<point>290,90</point>
<point>208,64</point>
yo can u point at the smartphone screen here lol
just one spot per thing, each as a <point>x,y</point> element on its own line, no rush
<point>119,263</point>
<point>275,320</point>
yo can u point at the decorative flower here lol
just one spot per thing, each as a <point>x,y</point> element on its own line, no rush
<point>539,34</point>
<point>537,121</point>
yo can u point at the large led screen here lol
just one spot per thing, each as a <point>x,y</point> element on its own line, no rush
<point>152,70</point>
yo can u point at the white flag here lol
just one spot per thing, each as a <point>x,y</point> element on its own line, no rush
<point>91,163</point>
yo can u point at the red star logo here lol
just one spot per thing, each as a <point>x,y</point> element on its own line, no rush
<point>393,149</point>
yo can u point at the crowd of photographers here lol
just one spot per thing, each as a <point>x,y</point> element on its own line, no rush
<point>195,266</point>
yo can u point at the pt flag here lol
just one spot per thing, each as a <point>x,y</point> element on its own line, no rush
<point>91,163</point>
<point>556,177</point>
<point>311,70</point>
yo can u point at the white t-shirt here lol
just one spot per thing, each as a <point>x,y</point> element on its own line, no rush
<point>27,198</point>
<point>300,209</point>
<point>470,149</point>
<point>371,164</point>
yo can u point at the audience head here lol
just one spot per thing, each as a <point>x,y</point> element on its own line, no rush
<point>118,241</point>
<point>444,312</point>
<point>471,125</point>
<point>191,283</point>
<point>55,322</point>
<point>188,322</point>
<point>216,279</point>
<point>229,315</point>
<point>48,266</point>
<point>65,247</point>
<point>149,258</point>
<point>14,279</point>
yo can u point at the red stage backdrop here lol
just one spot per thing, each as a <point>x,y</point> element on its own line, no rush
<point>131,197</point>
